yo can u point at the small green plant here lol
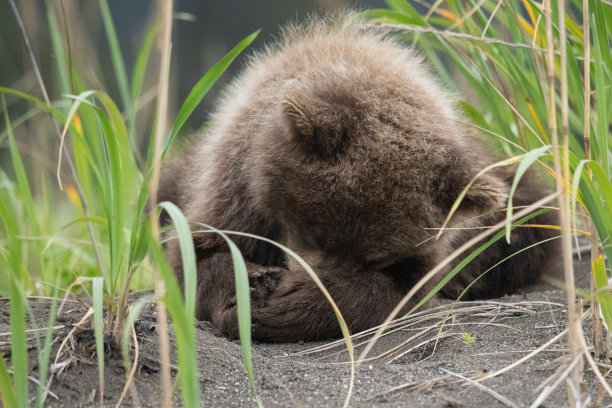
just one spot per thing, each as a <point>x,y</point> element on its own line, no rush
<point>468,339</point>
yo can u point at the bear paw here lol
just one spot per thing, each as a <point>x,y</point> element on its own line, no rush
<point>262,282</point>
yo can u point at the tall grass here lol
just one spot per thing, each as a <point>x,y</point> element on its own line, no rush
<point>81,220</point>
<point>521,62</point>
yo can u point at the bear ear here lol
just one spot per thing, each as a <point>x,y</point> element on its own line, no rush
<point>320,127</point>
<point>301,123</point>
<point>486,193</point>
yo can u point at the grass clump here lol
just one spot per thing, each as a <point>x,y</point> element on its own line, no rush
<point>82,224</point>
<point>532,70</point>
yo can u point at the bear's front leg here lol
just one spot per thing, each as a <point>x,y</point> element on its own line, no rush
<point>287,305</point>
<point>297,309</point>
<point>216,290</point>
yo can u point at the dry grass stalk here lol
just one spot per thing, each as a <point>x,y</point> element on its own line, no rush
<point>488,310</point>
<point>602,381</point>
<point>460,314</point>
<point>560,375</point>
<point>130,377</point>
<point>422,345</point>
<point>575,396</point>
<point>69,337</point>
<point>524,358</point>
<point>486,27</point>
<point>418,386</point>
<point>489,391</point>
<point>400,28</point>
<point>165,6</point>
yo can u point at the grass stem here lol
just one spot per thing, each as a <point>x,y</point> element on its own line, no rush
<point>166,7</point>
<point>575,395</point>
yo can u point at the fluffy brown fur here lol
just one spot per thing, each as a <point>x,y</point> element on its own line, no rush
<point>339,144</point>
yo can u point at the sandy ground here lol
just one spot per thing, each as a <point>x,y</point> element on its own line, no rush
<point>422,362</point>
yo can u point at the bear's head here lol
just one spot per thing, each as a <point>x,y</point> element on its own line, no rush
<point>366,163</point>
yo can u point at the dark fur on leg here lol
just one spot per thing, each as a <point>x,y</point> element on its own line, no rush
<point>522,269</point>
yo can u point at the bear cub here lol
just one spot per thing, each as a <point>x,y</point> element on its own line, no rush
<point>339,144</point>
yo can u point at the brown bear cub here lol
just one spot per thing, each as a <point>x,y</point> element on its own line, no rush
<point>339,144</point>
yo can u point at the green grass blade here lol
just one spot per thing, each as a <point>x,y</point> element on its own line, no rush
<point>78,100</point>
<point>45,353</point>
<point>599,28</point>
<point>23,186</point>
<point>119,128</point>
<point>576,190</point>
<point>19,351</point>
<point>117,58</point>
<point>183,314</point>
<point>203,86</point>
<point>88,153</point>
<point>103,150</point>
<point>17,394</point>
<point>140,231</point>
<point>57,114</point>
<point>139,239</point>
<point>604,296</point>
<point>80,155</point>
<point>528,159</point>
<point>598,211</point>
<point>126,332</point>
<point>138,73</point>
<point>115,205</point>
<point>7,392</point>
<point>601,91</point>
<point>10,217</point>
<point>506,259</point>
<point>142,59</point>
<point>184,329</point>
<point>20,120</point>
<point>120,173</point>
<point>183,233</point>
<point>605,187</point>
<point>393,17</point>
<point>243,306</point>
<point>97,293</point>
<point>601,199</point>
<point>596,196</point>
<point>61,64</point>
<point>140,67</point>
<point>405,8</point>
<point>311,273</point>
